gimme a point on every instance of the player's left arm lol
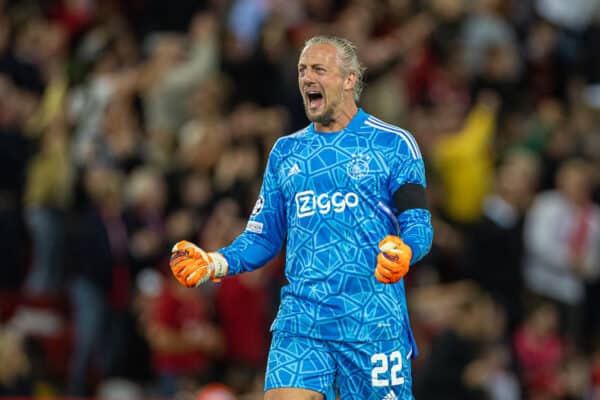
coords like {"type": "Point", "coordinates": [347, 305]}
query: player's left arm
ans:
{"type": "Point", "coordinates": [413, 242]}
{"type": "Point", "coordinates": [414, 219]}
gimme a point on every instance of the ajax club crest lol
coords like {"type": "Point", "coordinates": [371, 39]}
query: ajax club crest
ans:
{"type": "Point", "coordinates": [358, 167]}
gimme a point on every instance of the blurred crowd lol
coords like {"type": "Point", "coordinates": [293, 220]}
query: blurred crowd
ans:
{"type": "Point", "coordinates": [128, 125]}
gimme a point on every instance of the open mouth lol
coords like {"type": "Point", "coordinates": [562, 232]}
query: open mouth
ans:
{"type": "Point", "coordinates": [315, 100]}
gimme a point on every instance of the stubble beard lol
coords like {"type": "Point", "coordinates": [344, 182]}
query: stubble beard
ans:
{"type": "Point", "coordinates": [326, 118]}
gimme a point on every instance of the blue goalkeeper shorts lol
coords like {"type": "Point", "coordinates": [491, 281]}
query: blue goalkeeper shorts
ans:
{"type": "Point", "coordinates": [378, 370]}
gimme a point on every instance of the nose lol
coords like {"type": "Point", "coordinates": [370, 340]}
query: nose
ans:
{"type": "Point", "coordinates": [307, 76]}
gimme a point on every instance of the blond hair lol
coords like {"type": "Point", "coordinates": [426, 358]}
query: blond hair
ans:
{"type": "Point", "coordinates": [347, 58]}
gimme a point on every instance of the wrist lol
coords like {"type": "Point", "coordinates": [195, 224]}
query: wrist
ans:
{"type": "Point", "coordinates": [220, 265]}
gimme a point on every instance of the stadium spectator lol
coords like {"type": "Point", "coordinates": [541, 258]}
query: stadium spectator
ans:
{"type": "Point", "coordinates": [460, 360]}
{"type": "Point", "coordinates": [182, 338]}
{"type": "Point", "coordinates": [462, 157]}
{"type": "Point", "coordinates": [493, 249]}
{"type": "Point", "coordinates": [15, 151]}
{"type": "Point", "coordinates": [244, 302]}
{"type": "Point", "coordinates": [16, 370]}
{"type": "Point", "coordinates": [48, 192]}
{"type": "Point", "coordinates": [98, 245]}
{"type": "Point", "coordinates": [144, 215]}
{"type": "Point", "coordinates": [540, 352]}
{"type": "Point", "coordinates": [562, 232]}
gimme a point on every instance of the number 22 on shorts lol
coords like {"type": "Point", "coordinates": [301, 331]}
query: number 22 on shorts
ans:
{"type": "Point", "coordinates": [387, 370]}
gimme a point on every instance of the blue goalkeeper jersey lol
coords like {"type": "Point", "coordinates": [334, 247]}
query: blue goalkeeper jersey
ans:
{"type": "Point", "coordinates": [330, 197]}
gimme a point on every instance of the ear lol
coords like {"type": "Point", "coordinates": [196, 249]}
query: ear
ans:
{"type": "Point", "coordinates": [350, 81]}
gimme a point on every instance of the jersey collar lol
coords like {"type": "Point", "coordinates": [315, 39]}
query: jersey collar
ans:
{"type": "Point", "coordinates": [355, 123]}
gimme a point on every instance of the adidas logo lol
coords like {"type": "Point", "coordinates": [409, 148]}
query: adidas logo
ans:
{"type": "Point", "coordinates": [294, 170]}
{"type": "Point", "coordinates": [390, 396]}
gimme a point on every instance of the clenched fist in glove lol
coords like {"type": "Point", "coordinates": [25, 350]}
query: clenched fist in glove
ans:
{"type": "Point", "coordinates": [393, 261]}
{"type": "Point", "coordinates": [193, 266]}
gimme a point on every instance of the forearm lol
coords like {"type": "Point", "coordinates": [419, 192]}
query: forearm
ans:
{"type": "Point", "coordinates": [249, 252]}
{"type": "Point", "coordinates": [416, 231]}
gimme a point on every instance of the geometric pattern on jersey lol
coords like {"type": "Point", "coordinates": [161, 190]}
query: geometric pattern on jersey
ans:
{"type": "Point", "coordinates": [355, 370]}
{"type": "Point", "coordinates": [330, 196]}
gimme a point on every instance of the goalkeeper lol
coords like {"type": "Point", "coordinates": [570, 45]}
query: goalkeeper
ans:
{"type": "Point", "coordinates": [347, 194]}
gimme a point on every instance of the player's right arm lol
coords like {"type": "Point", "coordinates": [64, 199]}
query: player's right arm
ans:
{"type": "Point", "coordinates": [265, 231]}
{"type": "Point", "coordinates": [260, 242]}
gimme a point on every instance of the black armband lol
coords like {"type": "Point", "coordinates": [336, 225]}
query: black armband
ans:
{"type": "Point", "coordinates": [410, 195]}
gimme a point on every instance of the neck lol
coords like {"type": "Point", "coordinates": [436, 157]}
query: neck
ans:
{"type": "Point", "coordinates": [339, 121]}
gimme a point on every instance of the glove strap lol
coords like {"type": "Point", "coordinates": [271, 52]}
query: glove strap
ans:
{"type": "Point", "coordinates": [220, 265]}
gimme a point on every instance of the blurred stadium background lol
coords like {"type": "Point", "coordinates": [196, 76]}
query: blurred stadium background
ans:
{"type": "Point", "coordinates": [128, 125]}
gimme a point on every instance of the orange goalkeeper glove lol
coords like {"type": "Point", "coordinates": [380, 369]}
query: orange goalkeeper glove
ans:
{"type": "Point", "coordinates": [193, 266]}
{"type": "Point", "coordinates": [393, 261]}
